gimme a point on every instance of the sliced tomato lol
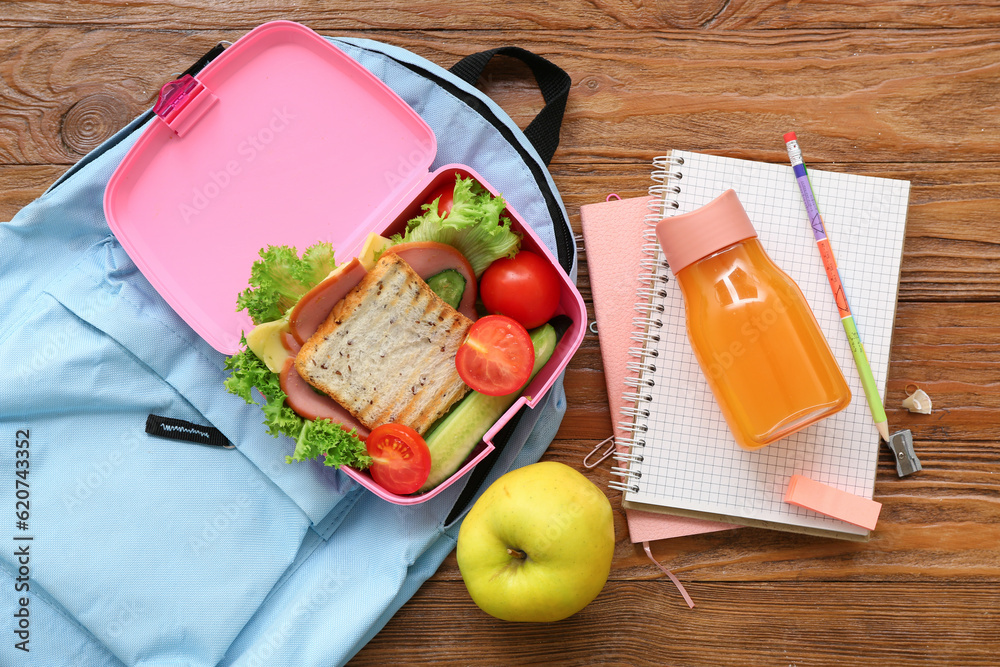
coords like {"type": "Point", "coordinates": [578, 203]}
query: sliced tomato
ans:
{"type": "Point", "coordinates": [401, 460]}
{"type": "Point", "coordinates": [497, 356]}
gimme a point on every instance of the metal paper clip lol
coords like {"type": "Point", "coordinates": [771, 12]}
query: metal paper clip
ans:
{"type": "Point", "coordinates": [604, 455]}
{"type": "Point", "coordinates": [901, 444]}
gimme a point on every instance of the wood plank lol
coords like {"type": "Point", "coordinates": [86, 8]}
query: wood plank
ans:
{"type": "Point", "coordinates": [21, 184]}
{"type": "Point", "coordinates": [65, 91]}
{"type": "Point", "coordinates": [765, 623]}
{"type": "Point", "coordinates": [952, 351]}
{"type": "Point", "coordinates": [497, 14]}
{"type": "Point", "coordinates": [878, 97]}
{"type": "Point", "coordinates": [852, 98]}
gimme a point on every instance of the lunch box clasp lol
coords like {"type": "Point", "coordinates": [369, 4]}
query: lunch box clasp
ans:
{"type": "Point", "coordinates": [182, 102]}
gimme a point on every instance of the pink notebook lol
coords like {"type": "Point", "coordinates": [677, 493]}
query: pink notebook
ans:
{"type": "Point", "coordinates": [612, 233]}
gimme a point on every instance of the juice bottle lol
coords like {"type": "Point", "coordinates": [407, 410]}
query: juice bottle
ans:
{"type": "Point", "coordinates": [752, 331]}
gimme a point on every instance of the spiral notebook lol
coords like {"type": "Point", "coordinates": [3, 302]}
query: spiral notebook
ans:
{"type": "Point", "coordinates": [612, 233]}
{"type": "Point", "coordinates": [682, 458]}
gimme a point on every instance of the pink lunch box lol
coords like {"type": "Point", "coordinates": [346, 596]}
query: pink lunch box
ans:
{"type": "Point", "coordinates": [285, 140]}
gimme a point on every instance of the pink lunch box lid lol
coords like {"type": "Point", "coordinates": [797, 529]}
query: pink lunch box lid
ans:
{"type": "Point", "coordinates": [283, 140]}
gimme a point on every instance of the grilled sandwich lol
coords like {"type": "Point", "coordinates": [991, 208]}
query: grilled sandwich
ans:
{"type": "Point", "coordinates": [386, 352]}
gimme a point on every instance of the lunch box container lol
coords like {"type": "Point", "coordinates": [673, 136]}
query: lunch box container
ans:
{"type": "Point", "coordinates": [285, 140]}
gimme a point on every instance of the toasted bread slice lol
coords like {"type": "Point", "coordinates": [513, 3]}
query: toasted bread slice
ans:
{"type": "Point", "coordinates": [387, 350]}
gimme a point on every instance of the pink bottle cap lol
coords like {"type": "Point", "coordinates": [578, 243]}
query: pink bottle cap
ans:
{"type": "Point", "coordinates": [688, 237]}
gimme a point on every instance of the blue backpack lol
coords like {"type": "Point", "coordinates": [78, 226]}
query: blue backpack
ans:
{"type": "Point", "coordinates": [139, 550]}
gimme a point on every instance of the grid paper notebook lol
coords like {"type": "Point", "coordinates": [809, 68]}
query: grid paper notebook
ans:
{"type": "Point", "coordinates": [690, 464]}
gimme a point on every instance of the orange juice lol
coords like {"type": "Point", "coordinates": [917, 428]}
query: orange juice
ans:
{"type": "Point", "coordinates": [751, 329]}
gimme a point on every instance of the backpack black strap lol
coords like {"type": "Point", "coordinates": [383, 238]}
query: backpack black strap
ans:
{"type": "Point", "coordinates": [553, 81]}
{"type": "Point", "coordinates": [209, 56]}
{"type": "Point", "coordinates": [483, 469]}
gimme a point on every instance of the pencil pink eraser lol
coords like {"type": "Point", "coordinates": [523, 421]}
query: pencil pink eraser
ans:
{"type": "Point", "coordinates": [825, 499]}
{"type": "Point", "coordinates": [789, 136]}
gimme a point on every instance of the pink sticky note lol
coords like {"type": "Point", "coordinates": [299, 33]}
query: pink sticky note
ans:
{"type": "Point", "coordinates": [825, 499]}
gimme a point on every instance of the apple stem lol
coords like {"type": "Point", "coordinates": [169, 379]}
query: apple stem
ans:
{"type": "Point", "coordinates": [517, 553]}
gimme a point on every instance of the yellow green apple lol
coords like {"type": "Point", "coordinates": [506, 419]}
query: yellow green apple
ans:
{"type": "Point", "coordinates": [537, 545]}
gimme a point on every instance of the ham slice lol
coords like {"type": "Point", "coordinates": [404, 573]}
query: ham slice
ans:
{"type": "Point", "coordinates": [313, 308]}
{"type": "Point", "coordinates": [429, 258]}
{"type": "Point", "coordinates": [310, 405]}
{"type": "Point", "coordinates": [426, 258]}
{"type": "Point", "coordinates": [289, 343]}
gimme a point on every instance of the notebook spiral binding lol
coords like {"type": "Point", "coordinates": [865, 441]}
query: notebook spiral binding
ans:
{"type": "Point", "coordinates": [655, 275]}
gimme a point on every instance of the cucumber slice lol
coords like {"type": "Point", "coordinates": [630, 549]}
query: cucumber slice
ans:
{"type": "Point", "coordinates": [449, 285]}
{"type": "Point", "coordinates": [453, 438]}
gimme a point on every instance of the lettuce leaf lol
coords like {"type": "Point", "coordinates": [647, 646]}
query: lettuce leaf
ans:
{"type": "Point", "coordinates": [280, 278]}
{"type": "Point", "coordinates": [473, 226]}
{"type": "Point", "coordinates": [313, 438]}
{"type": "Point", "coordinates": [322, 437]}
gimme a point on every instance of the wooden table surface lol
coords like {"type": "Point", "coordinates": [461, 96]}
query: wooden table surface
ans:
{"type": "Point", "coordinates": [898, 89]}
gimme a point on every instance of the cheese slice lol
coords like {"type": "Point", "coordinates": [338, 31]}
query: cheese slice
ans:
{"type": "Point", "coordinates": [265, 341]}
{"type": "Point", "coordinates": [373, 245]}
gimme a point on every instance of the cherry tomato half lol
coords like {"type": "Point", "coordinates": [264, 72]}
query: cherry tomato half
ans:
{"type": "Point", "coordinates": [401, 460]}
{"type": "Point", "coordinates": [446, 191]}
{"type": "Point", "coordinates": [497, 356]}
{"type": "Point", "coordinates": [526, 288]}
